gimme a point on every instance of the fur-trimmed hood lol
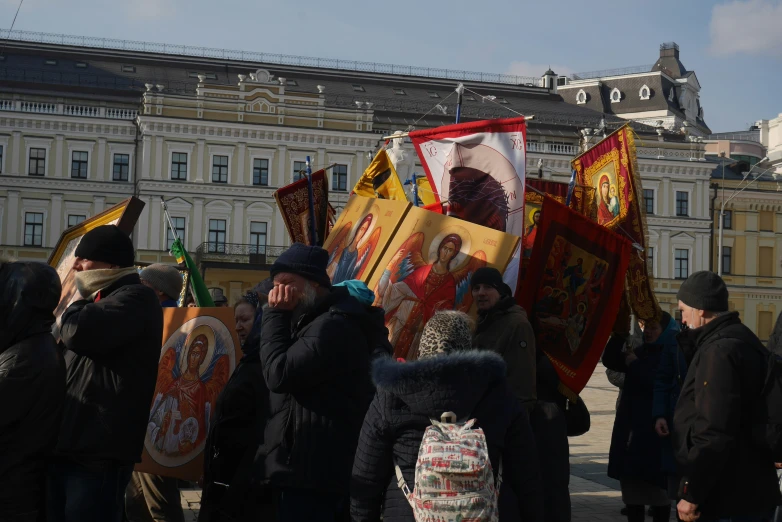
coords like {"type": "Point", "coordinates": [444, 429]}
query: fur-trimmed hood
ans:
{"type": "Point", "coordinates": [454, 382]}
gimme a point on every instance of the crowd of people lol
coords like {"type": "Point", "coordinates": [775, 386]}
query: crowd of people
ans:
{"type": "Point", "coordinates": [318, 422]}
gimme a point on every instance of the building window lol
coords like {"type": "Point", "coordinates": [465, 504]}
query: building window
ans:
{"type": "Point", "coordinates": [764, 325]}
{"type": "Point", "coordinates": [682, 203]}
{"type": "Point", "coordinates": [681, 263]}
{"type": "Point", "coordinates": [766, 221]}
{"type": "Point", "coordinates": [644, 92]}
{"type": "Point", "coordinates": [75, 219]}
{"type": "Point", "coordinates": [727, 257]}
{"type": "Point", "coordinates": [33, 229]}
{"type": "Point", "coordinates": [400, 92]}
{"type": "Point", "coordinates": [179, 230]}
{"type": "Point", "coordinates": [37, 162]}
{"type": "Point", "coordinates": [581, 97]}
{"type": "Point", "coordinates": [727, 219]}
{"type": "Point", "coordinates": [261, 172]}
{"type": "Point", "coordinates": [339, 179]}
{"type": "Point", "coordinates": [358, 88]}
{"type": "Point", "coordinates": [649, 201]}
{"type": "Point", "coordinates": [616, 96]}
{"type": "Point", "coordinates": [257, 237]}
{"type": "Point", "coordinates": [433, 94]}
{"type": "Point", "coordinates": [79, 164]}
{"type": "Point", "coordinates": [121, 167]}
{"type": "Point", "coordinates": [216, 235]}
{"type": "Point", "coordinates": [129, 68]}
{"type": "Point", "coordinates": [179, 166]}
{"type": "Point", "coordinates": [650, 260]}
{"type": "Point", "coordinates": [299, 170]}
{"type": "Point", "coordinates": [50, 62]}
{"type": "Point", "coordinates": [765, 262]}
{"type": "Point", "coordinates": [219, 169]}
{"type": "Point", "coordinates": [80, 65]}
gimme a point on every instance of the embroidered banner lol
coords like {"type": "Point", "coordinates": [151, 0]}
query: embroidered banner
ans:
{"type": "Point", "coordinates": [572, 289]}
{"type": "Point", "coordinates": [294, 204]}
{"type": "Point", "coordinates": [610, 167]}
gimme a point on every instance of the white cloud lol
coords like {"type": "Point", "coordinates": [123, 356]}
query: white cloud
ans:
{"type": "Point", "coordinates": [747, 26]}
{"type": "Point", "coordinates": [151, 9]}
{"type": "Point", "coordinates": [535, 70]}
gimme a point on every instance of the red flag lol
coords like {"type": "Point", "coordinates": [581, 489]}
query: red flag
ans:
{"type": "Point", "coordinates": [572, 290]}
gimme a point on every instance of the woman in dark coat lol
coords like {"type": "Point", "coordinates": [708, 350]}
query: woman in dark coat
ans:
{"type": "Point", "coordinates": [447, 377]}
{"type": "Point", "coordinates": [32, 387]}
{"type": "Point", "coordinates": [634, 458]}
{"type": "Point", "coordinates": [229, 493]}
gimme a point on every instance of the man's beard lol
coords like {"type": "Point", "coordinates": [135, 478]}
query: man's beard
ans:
{"type": "Point", "coordinates": [306, 302]}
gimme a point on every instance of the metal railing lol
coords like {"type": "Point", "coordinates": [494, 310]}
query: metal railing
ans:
{"type": "Point", "coordinates": [607, 72]}
{"type": "Point", "coordinates": [553, 148]}
{"type": "Point", "coordinates": [736, 136]}
{"type": "Point", "coordinates": [260, 57]}
{"type": "Point", "coordinates": [84, 111]}
{"type": "Point", "coordinates": [237, 253]}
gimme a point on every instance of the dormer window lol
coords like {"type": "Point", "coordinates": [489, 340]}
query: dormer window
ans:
{"type": "Point", "coordinates": [129, 68]}
{"type": "Point", "coordinates": [357, 88]}
{"type": "Point", "coordinates": [644, 93]}
{"type": "Point", "coordinates": [433, 94]}
{"type": "Point", "coordinates": [503, 101]}
{"type": "Point", "coordinates": [400, 92]}
{"type": "Point", "coordinates": [581, 97]}
{"type": "Point", "coordinates": [50, 62]}
{"type": "Point", "coordinates": [469, 97]}
{"type": "Point", "coordinates": [292, 83]}
{"type": "Point", "coordinates": [616, 96]}
{"type": "Point", "coordinates": [80, 65]}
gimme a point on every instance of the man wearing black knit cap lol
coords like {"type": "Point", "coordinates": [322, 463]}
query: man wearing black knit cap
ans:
{"type": "Point", "coordinates": [111, 340]}
{"type": "Point", "coordinates": [725, 476]}
{"type": "Point", "coordinates": [316, 345]}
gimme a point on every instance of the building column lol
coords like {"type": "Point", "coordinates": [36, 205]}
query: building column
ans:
{"type": "Point", "coordinates": [142, 239]}
{"type": "Point", "coordinates": [751, 255]}
{"type": "Point", "coordinates": [58, 157]}
{"type": "Point", "coordinates": [664, 257]}
{"type": "Point", "coordinates": [55, 219]}
{"type": "Point", "coordinates": [99, 205]}
{"type": "Point", "coordinates": [280, 235]}
{"type": "Point", "coordinates": [17, 155]}
{"type": "Point", "coordinates": [234, 291]}
{"type": "Point", "coordinates": [321, 160]}
{"type": "Point", "coordinates": [359, 170]}
{"type": "Point", "coordinates": [241, 175]}
{"type": "Point", "coordinates": [101, 159]}
{"type": "Point", "coordinates": [197, 226]}
{"type": "Point", "coordinates": [697, 254]}
{"type": "Point", "coordinates": [238, 220]}
{"type": "Point", "coordinates": [666, 196]}
{"type": "Point", "coordinates": [200, 162]}
{"type": "Point", "coordinates": [146, 158]}
{"type": "Point", "coordinates": [154, 232]}
{"type": "Point", "coordinates": [158, 158]}
{"type": "Point", "coordinates": [283, 161]}
{"type": "Point", "coordinates": [12, 217]}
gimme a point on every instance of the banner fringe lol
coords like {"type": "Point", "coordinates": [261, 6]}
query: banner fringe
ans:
{"type": "Point", "coordinates": [567, 393]}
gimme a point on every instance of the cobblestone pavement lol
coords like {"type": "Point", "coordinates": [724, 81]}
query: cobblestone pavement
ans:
{"type": "Point", "coordinates": [594, 496]}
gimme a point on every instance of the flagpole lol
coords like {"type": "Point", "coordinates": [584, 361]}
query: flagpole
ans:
{"type": "Point", "coordinates": [415, 189]}
{"type": "Point", "coordinates": [459, 93]}
{"type": "Point", "coordinates": [313, 228]}
{"type": "Point", "coordinates": [168, 218]}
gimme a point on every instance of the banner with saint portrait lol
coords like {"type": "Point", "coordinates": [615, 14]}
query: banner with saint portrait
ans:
{"type": "Point", "coordinates": [427, 267]}
{"type": "Point", "coordinates": [610, 167]}
{"type": "Point", "coordinates": [294, 203]}
{"type": "Point", "coordinates": [361, 235]}
{"type": "Point", "coordinates": [200, 350]}
{"type": "Point", "coordinates": [572, 289]}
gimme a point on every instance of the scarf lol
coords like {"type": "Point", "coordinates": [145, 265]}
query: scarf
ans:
{"type": "Point", "coordinates": [90, 282]}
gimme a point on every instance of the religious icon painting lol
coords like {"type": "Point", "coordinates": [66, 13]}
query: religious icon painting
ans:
{"type": "Point", "coordinates": [427, 267]}
{"type": "Point", "coordinates": [199, 352]}
{"type": "Point", "coordinates": [360, 236]}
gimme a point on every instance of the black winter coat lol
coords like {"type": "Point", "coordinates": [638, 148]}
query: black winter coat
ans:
{"type": "Point", "coordinates": [470, 384]}
{"type": "Point", "coordinates": [774, 344]}
{"type": "Point", "coordinates": [32, 384]}
{"type": "Point", "coordinates": [635, 447]}
{"type": "Point", "coordinates": [112, 352]}
{"type": "Point", "coordinates": [318, 374]}
{"type": "Point", "coordinates": [723, 471]}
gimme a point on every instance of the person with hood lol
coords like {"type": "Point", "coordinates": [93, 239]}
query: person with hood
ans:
{"type": "Point", "coordinates": [635, 455]}
{"type": "Point", "coordinates": [316, 346]}
{"type": "Point", "coordinates": [111, 340]}
{"type": "Point", "coordinates": [366, 297]}
{"type": "Point", "coordinates": [503, 328]}
{"type": "Point", "coordinates": [32, 387]}
{"type": "Point", "coordinates": [725, 475]}
{"type": "Point", "coordinates": [229, 493]}
{"type": "Point", "coordinates": [447, 376]}
{"type": "Point", "coordinates": [149, 497]}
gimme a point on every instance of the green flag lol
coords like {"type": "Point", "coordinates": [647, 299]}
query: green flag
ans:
{"type": "Point", "coordinates": [200, 292]}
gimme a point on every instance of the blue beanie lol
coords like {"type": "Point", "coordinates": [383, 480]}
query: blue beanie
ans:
{"type": "Point", "coordinates": [307, 261]}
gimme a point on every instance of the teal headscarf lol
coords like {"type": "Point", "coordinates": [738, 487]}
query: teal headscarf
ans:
{"type": "Point", "coordinates": [359, 290]}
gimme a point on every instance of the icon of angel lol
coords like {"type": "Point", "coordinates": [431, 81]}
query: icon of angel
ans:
{"type": "Point", "coordinates": [412, 290]}
{"type": "Point", "coordinates": [349, 256]}
{"type": "Point", "coordinates": [191, 375]}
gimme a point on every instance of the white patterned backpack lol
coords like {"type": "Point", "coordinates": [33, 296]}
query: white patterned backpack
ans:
{"type": "Point", "coordinates": [454, 481]}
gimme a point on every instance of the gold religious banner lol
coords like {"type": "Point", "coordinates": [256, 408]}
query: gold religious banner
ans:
{"type": "Point", "coordinates": [361, 235]}
{"type": "Point", "coordinates": [428, 266]}
{"type": "Point", "coordinates": [199, 353]}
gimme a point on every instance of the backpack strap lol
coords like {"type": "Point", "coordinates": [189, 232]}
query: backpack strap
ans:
{"type": "Point", "coordinates": [400, 481]}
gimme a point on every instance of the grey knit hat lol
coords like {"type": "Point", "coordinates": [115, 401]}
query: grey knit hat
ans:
{"type": "Point", "coordinates": [704, 290]}
{"type": "Point", "coordinates": [163, 278]}
{"type": "Point", "coordinates": [447, 331]}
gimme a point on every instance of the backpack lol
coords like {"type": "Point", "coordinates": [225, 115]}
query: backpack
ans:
{"type": "Point", "coordinates": [767, 425]}
{"type": "Point", "coordinates": [454, 480]}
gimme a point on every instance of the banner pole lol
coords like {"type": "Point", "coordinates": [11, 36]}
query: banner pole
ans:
{"type": "Point", "coordinates": [313, 228]}
{"type": "Point", "coordinates": [459, 93]}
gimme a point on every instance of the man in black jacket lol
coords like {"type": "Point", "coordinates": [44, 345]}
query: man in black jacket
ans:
{"type": "Point", "coordinates": [111, 339]}
{"type": "Point", "coordinates": [724, 475]}
{"type": "Point", "coordinates": [315, 352]}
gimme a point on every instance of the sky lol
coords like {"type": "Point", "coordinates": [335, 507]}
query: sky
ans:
{"type": "Point", "coordinates": [734, 47]}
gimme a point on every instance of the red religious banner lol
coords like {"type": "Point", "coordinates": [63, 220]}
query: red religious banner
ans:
{"type": "Point", "coordinates": [574, 282]}
{"type": "Point", "coordinates": [610, 167]}
{"type": "Point", "coordinates": [294, 204]}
